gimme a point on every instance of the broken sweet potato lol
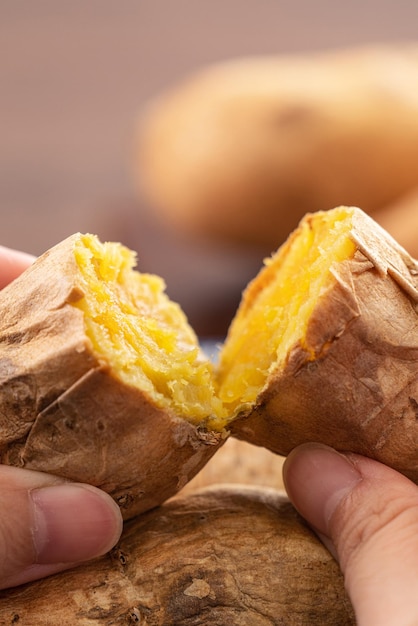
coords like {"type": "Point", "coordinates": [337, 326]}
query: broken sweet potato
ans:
{"type": "Point", "coordinates": [98, 368]}
{"type": "Point", "coordinates": [324, 346]}
{"type": "Point", "coordinates": [103, 381]}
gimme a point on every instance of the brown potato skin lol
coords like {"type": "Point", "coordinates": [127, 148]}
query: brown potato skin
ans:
{"type": "Point", "coordinates": [63, 412]}
{"type": "Point", "coordinates": [227, 555]}
{"type": "Point", "coordinates": [360, 392]}
{"type": "Point", "coordinates": [243, 149]}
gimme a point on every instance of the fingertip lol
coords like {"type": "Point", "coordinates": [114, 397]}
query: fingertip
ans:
{"type": "Point", "coordinates": [317, 478]}
{"type": "Point", "coordinates": [12, 264]}
{"type": "Point", "coordinates": [73, 523]}
{"type": "Point", "coordinates": [367, 515]}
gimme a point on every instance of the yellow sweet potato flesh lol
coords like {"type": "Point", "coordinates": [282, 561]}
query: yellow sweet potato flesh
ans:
{"type": "Point", "coordinates": [278, 304]}
{"type": "Point", "coordinates": [141, 333]}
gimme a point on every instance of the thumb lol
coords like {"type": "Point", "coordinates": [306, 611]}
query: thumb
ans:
{"type": "Point", "coordinates": [12, 263]}
{"type": "Point", "coordinates": [367, 515]}
{"type": "Point", "coordinates": [48, 525]}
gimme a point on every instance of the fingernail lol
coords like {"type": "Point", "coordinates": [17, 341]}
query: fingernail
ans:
{"type": "Point", "coordinates": [73, 523]}
{"type": "Point", "coordinates": [317, 478]}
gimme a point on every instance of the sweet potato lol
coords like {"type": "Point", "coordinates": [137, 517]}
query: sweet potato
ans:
{"type": "Point", "coordinates": [98, 368]}
{"type": "Point", "coordinates": [324, 346]}
{"type": "Point", "coordinates": [231, 555]}
{"type": "Point", "coordinates": [243, 149]}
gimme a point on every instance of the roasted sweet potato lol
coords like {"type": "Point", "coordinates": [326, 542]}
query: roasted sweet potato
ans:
{"type": "Point", "coordinates": [244, 148]}
{"type": "Point", "coordinates": [230, 555]}
{"type": "Point", "coordinates": [324, 346]}
{"type": "Point", "coordinates": [98, 369]}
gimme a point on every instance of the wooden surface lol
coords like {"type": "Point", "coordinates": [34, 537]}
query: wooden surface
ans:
{"type": "Point", "coordinates": [73, 76]}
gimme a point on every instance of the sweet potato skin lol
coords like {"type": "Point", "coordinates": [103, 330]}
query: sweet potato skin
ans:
{"type": "Point", "coordinates": [243, 149]}
{"type": "Point", "coordinates": [62, 410]}
{"type": "Point", "coordinates": [232, 555]}
{"type": "Point", "coordinates": [360, 391]}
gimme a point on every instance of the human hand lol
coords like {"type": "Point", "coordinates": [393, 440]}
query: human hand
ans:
{"type": "Point", "coordinates": [48, 524]}
{"type": "Point", "coordinates": [12, 263]}
{"type": "Point", "coordinates": [367, 515]}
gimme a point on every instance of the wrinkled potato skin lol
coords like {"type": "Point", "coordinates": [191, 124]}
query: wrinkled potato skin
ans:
{"type": "Point", "coordinates": [230, 555]}
{"type": "Point", "coordinates": [243, 149]}
{"type": "Point", "coordinates": [63, 412]}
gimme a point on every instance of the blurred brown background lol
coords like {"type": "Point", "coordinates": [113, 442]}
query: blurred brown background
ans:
{"type": "Point", "coordinates": [73, 75]}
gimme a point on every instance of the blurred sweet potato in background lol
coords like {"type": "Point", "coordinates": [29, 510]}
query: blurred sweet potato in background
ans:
{"type": "Point", "coordinates": [241, 150]}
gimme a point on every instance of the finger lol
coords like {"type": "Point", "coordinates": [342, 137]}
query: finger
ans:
{"type": "Point", "coordinates": [48, 525]}
{"type": "Point", "coordinates": [12, 264]}
{"type": "Point", "coordinates": [367, 514]}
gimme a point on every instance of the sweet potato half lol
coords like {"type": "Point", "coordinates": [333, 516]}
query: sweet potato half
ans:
{"type": "Point", "coordinates": [98, 369]}
{"type": "Point", "coordinates": [102, 380]}
{"type": "Point", "coordinates": [324, 346]}
{"type": "Point", "coordinates": [232, 555]}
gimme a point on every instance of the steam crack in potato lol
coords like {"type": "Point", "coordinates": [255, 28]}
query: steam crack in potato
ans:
{"type": "Point", "coordinates": [103, 380]}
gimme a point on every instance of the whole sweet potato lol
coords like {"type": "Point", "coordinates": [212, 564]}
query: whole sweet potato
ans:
{"type": "Point", "coordinates": [232, 555]}
{"type": "Point", "coordinates": [244, 148]}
